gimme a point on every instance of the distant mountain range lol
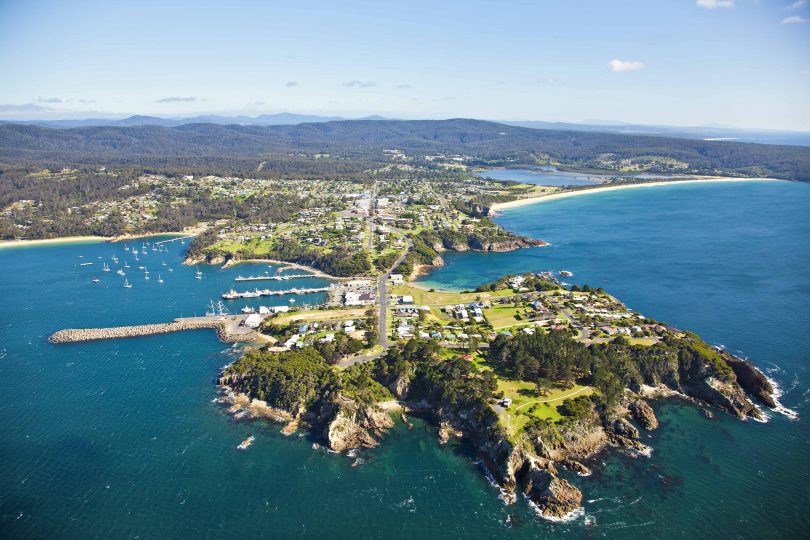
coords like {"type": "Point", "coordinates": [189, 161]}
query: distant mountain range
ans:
{"type": "Point", "coordinates": [718, 133]}
{"type": "Point", "coordinates": [599, 126]}
{"type": "Point", "coordinates": [721, 133]}
{"type": "Point", "coordinates": [279, 119]}
{"type": "Point", "coordinates": [207, 144]}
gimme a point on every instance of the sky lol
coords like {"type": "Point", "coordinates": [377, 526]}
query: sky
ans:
{"type": "Point", "coordinates": [742, 63]}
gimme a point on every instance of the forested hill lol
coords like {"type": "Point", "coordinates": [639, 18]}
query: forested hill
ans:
{"type": "Point", "coordinates": [201, 144]}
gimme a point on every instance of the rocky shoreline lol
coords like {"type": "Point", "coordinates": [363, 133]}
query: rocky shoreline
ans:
{"type": "Point", "coordinates": [528, 465]}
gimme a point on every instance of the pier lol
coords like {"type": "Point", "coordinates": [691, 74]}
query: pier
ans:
{"type": "Point", "coordinates": [228, 329]}
{"type": "Point", "coordinates": [274, 278]}
{"type": "Point", "coordinates": [233, 295]}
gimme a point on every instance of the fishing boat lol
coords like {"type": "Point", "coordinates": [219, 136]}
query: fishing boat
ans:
{"type": "Point", "coordinates": [247, 442]}
{"type": "Point", "coordinates": [127, 284]}
{"type": "Point", "coordinates": [160, 279]}
{"type": "Point", "coordinates": [105, 268]}
{"type": "Point", "coordinates": [95, 279]}
{"type": "Point", "coordinates": [248, 310]}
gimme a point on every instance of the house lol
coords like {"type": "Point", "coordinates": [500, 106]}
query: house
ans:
{"type": "Point", "coordinates": [303, 328]}
{"type": "Point", "coordinates": [397, 279]}
{"type": "Point", "coordinates": [406, 299]}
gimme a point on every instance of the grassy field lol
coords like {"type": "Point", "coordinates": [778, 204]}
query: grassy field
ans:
{"type": "Point", "coordinates": [528, 403]}
{"type": "Point", "coordinates": [321, 315]}
{"type": "Point", "coordinates": [502, 316]}
{"type": "Point", "coordinates": [422, 297]}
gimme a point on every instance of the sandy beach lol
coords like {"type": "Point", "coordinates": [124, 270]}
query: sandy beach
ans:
{"type": "Point", "coordinates": [191, 231]}
{"type": "Point", "coordinates": [532, 200]}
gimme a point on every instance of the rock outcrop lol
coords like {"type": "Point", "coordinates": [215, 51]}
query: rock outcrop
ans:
{"type": "Point", "coordinates": [643, 414]}
{"type": "Point", "coordinates": [554, 497]}
{"type": "Point", "coordinates": [355, 426]}
{"type": "Point", "coordinates": [501, 244]}
{"type": "Point", "coordinates": [751, 380]}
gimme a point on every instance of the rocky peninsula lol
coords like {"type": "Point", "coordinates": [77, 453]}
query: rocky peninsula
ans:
{"type": "Point", "coordinates": [352, 408]}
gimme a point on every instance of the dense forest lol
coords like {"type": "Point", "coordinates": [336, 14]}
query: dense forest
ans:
{"type": "Point", "coordinates": [242, 147]}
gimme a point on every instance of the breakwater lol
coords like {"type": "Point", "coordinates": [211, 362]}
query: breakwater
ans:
{"type": "Point", "coordinates": [228, 330]}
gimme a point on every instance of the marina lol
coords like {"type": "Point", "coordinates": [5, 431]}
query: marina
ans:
{"type": "Point", "coordinates": [234, 295]}
{"type": "Point", "coordinates": [273, 278]}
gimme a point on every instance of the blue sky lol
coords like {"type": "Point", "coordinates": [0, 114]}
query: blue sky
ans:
{"type": "Point", "coordinates": [742, 63]}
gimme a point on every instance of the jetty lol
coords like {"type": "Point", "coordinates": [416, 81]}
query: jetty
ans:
{"type": "Point", "coordinates": [273, 278]}
{"type": "Point", "coordinates": [229, 329]}
{"type": "Point", "coordinates": [233, 295]}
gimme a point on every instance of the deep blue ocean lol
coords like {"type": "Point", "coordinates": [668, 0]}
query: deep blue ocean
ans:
{"type": "Point", "coordinates": [121, 439]}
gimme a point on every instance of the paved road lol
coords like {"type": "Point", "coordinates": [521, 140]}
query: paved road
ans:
{"type": "Point", "coordinates": [382, 302]}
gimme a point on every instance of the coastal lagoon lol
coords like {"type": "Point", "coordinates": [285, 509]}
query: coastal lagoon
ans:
{"type": "Point", "coordinates": [122, 438]}
{"type": "Point", "coordinates": [545, 175]}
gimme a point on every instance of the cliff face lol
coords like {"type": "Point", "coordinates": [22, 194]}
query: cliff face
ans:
{"type": "Point", "coordinates": [350, 425]}
{"type": "Point", "coordinates": [751, 380]}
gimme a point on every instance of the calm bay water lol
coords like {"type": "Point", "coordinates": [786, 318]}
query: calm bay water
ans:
{"type": "Point", "coordinates": [121, 439]}
{"type": "Point", "coordinates": [545, 175]}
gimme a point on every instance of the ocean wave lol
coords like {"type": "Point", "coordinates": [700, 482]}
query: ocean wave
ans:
{"type": "Point", "coordinates": [567, 518]}
{"type": "Point", "coordinates": [781, 409]}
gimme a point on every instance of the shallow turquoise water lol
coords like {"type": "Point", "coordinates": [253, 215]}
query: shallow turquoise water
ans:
{"type": "Point", "coordinates": [121, 438]}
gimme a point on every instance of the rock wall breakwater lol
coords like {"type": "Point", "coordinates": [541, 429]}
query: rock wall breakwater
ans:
{"type": "Point", "coordinates": [91, 334]}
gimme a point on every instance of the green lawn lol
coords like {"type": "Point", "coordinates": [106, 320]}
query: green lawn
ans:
{"type": "Point", "coordinates": [502, 316]}
{"type": "Point", "coordinates": [422, 297]}
{"type": "Point", "coordinates": [528, 403]}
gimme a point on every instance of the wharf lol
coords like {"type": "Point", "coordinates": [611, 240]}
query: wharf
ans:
{"type": "Point", "coordinates": [233, 295]}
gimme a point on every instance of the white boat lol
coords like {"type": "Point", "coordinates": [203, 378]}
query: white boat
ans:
{"type": "Point", "coordinates": [120, 272]}
{"type": "Point", "coordinates": [160, 279]}
{"type": "Point", "coordinates": [86, 264]}
{"type": "Point", "coordinates": [248, 310]}
{"type": "Point", "coordinates": [141, 268]}
{"type": "Point", "coordinates": [171, 270]}
{"type": "Point", "coordinates": [146, 275]}
{"type": "Point", "coordinates": [95, 279]}
{"type": "Point", "coordinates": [114, 259]}
{"type": "Point", "coordinates": [127, 284]}
{"type": "Point", "coordinates": [198, 275]}
{"type": "Point", "coordinates": [126, 247]}
{"type": "Point", "coordinates": [105, 268]}
{"type": "Point", "coordinates": [163, 263]}
{"type": "Point", "coordinates": [126, 265]}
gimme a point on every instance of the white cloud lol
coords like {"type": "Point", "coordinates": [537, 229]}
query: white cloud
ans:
{"type": "Point", "coordinates": [290, 84]}
{"type": "Point", "coordinates": [359, 84]}
{"type": "Point", "coordinates": [799, 4]}
{"type": "Point", "coordinates": [48, 100]}
{"type": "Point", "coordinates": [620, 66]}
{"type": "Point", "coordinates": [714, 4]}
{"type": "Point", "coordinates": [795, 19]}
{"type": "Point", "coordinates": [178, 99]}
